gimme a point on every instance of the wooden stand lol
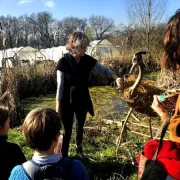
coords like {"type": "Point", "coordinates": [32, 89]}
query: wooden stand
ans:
{"type": "Point", "coordinates": [123, 133]}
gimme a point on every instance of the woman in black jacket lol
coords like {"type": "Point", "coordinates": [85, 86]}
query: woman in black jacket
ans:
{"type": "Point", "coordinates": [10, 153]}
{"type": "Point", "coordinates": [72, 92]}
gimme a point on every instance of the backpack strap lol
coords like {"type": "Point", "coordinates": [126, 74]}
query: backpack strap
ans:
{"type": "Point", "coordinates": [30, 169]}
{"type": "Point", "coordinates": [59, 169]}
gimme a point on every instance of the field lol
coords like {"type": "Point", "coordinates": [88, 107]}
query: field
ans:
{"type": "Point", "coordinates": [100, 138]}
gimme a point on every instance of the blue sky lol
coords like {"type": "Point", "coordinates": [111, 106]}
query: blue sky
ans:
{"type": "Point", "coordinates": [114, 9]}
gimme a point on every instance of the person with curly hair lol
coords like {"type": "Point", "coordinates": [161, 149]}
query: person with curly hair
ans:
{"type": "Point", "coordinates": [73, 97]}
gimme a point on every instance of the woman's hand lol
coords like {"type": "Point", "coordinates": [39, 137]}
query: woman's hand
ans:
{"type": "Point", "coordinates": [58, 107]}
{"type": "Point", "coordinates": [158, 107]}
{"type": "Point", "coordinates": [119, 82]}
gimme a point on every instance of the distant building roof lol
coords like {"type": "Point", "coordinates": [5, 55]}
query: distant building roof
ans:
{"type": "Point", "coordinates": [21, 53]}
{"type": "Point", "coordinates": [94, 43]}
{"type": "Point", "coordinates": [103, 43]}
{"type": "Point", "coordinates": [54, 53]}
{"type": "Point", "coordinates": [101, 48]}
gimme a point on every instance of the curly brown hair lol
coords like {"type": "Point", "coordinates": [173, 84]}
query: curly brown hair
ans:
{"type": "Point", "coordinates": [171, 58]}
{"type": "Point", "coordinates": [77, 39]}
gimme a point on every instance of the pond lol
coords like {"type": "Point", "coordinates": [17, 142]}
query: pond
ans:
{"type": "Point", "coordinates": [106, 100]}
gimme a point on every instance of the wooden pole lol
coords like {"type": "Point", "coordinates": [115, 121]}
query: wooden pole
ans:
{"type": "Point", "coordinates": [150, 128]}
{"type": "Point", "coordinates": [142, 125]}
{"type": "Point", "coordinates": [135, 117]}
{"type": "Point", "coordinates": [145, 135]}
{"type": "Point", "coordinates": [124, 129]}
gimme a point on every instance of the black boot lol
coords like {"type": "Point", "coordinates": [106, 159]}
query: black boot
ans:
{"type": "Point", "coordinates": [79, 151]}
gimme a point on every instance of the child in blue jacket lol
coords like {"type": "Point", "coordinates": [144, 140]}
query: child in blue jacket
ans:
{"type": "Point", "coordinates": [41, 130]}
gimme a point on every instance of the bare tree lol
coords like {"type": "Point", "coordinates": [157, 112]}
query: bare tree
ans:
{"type": "Point", "coordinates": [33, 38]}
{"type": "Point", "coordinates": [11, 28]}
{"type": "Point", "coordinates": [128, 32]}
{"type": "Point", "coordinates": [59, 35]}
{"type": "Point", "coordinates": [70, 24]}
{"type": "Point", "coordinates": [42, 29]}
{"type": "Point", "coordinates": [23, 32]}
{"type": "Point", "coordinates": [146, 15]}
{"type": "Point", "coordinates": [89, 33]}
{"type": "Point", "coordinates": [44, 24]}
{"type": "Point", "coordinates": [100, 25]}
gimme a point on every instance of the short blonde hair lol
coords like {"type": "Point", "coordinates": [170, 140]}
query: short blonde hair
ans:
{"type": "Point", "coordinates": [40, 128]}
{"type": "Point", "coordinates": [77, 39]}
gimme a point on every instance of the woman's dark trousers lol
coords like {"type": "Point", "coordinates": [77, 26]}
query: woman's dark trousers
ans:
{"type": "Point", "coordinates": [67, 120]}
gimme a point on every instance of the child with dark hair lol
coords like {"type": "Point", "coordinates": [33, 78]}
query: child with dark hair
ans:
{"type": "Point", "coordinates": [10, 153]}
{"type": "Point", "coordinates": [41, 129]}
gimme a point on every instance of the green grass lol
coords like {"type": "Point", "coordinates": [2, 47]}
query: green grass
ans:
{"type": "Point", "coordinates": [41, 101]}
{"type": "Point", "coordinates": [17, 137]}
{"type": "Point", "coordinates": [152, 76]}
{"type": "Point", "coordinates": [99, 143]}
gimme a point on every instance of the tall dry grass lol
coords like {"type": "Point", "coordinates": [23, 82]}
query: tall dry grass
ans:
{"type": "Point", "coordinates": [22, 81]}
{"type": "Point", "coordinates": [36, 79]}
{"type": "Point", "coordinates": [122, 61]}
{"type": "Point", "coordinates": [9, 96]}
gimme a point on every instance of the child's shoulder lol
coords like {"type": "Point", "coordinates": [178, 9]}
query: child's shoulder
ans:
{"type": "Point", "coordinates": [18, 173]}
{"type": "Point", "coordinates": [17, 168]}
{"type": "Point", "coordinates": [79, 169]}
{"type": "Point", "coordinates": [77, 163]}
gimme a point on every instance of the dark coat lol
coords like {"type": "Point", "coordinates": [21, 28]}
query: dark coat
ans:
{"type": "Point", "coordinates": [76, 75]}
{"type": "Point", "coordinates": [10, 156]}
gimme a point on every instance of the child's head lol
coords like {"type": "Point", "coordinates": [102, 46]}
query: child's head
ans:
{"type": "Point", "coordinates": [171, 59]}
{"type": "Point", "coordinates": [4, 121]}
{"type": "Point", "coordinates": [41, 127]}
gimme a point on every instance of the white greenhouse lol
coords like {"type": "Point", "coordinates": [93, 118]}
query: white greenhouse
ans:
{"type": "Point", "coordinates": [11, 57]}
{"type": "Point", "coordinates": [102, 48]}
{"type": "Point", "coordinates": [54, 53]}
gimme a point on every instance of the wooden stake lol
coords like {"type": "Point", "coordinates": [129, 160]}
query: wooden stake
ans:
{"type": "Point", "coordinates": [145, 135]}
{"type": "Point", "coordinates": [124, 128]}
{"type": "Point", "coordinates": [135, 117]}
{"type": "Point", "coordinates": [150, 128]}
{"type": "Point", "coordinates": [142, 125]}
